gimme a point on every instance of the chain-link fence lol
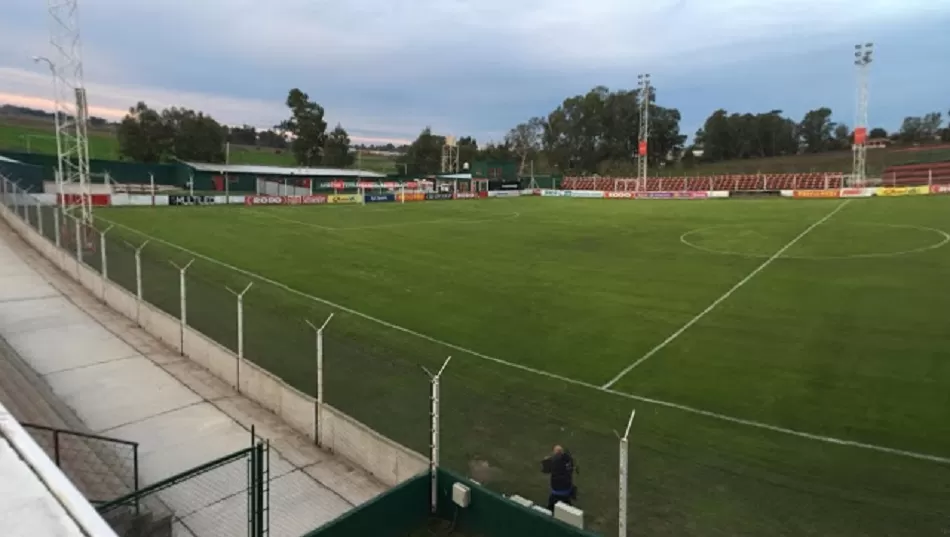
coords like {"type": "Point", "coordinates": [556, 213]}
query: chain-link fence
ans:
{"type": "Point", "coordinates": [225, 497]}
{"type": "Point", "coordinates": [102, 468]}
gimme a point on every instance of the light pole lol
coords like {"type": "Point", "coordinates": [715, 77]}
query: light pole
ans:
{"type": "Point", "coordinates": [862, 59]}
{"type": "Point", "coordinates": [643, 81]}
{"type": "Point", "coordinates": [59, 143]}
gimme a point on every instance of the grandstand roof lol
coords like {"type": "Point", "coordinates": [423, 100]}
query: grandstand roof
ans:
{"type": "Point", "coordinates": [281, 170]}
{"type": "Point", "coordinates": [9, 160]}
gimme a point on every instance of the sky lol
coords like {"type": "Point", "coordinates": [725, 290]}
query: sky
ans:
{"type": "Point", "coordinates": [387, 69]}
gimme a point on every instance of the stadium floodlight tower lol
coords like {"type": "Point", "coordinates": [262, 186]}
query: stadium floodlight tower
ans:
{"type": "Point", "coordinates": [643, 82]}
{"type": "Point", "coordinates": [450, 155]}
{"type": "Point", "coordinates": [862, 60]}
{"type": "Point", "coordinates": [70, 105]}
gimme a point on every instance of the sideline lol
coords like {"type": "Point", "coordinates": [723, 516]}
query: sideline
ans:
{"type": "Point", "coordinates": [554, 376]}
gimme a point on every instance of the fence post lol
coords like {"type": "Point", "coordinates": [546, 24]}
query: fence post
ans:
{"type": "Point", "coordinates": [135, 474]}
{"type": "Point", "coordinates": [138, 281]}
{"type": "Point", "coordinates": [318, 405]}
{"type": "Point", "coordinates": [624, 476]}
{"type": "Point", "coordinates": [183, 301]}
{"type": "Point", "coordinates": [240, 333]}
{"type": "Point", "coordinates": [930, 177]}
{"type": "Point", "coordinates": [56, 227]}
{"type": "Point", "coordinates": [78, 242]}
{"type": "Point", "coordinates": [434, 428]}
{"type": "Point", "coordinates": [39, 218]}
{"type": "Point", "coordinates": [104, 259]}
{"type": "Point", "coordinates": [56, 447]}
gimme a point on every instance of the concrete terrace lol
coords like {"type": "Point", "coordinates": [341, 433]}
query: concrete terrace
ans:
{"type": "Point", "coordinates": [120, 382]}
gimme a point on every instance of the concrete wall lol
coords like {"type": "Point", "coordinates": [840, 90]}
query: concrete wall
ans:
{"type": "Point", "coordinates": [387, 460]}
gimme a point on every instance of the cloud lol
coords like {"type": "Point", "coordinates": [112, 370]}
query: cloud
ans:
{"type": "Point", "coordinates": [387, 69]}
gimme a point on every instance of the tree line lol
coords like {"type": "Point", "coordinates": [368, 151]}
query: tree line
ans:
{"type": "Point", "coordinates": [594, 132]}
{"type": "Point", "coordinates": [149, 135]}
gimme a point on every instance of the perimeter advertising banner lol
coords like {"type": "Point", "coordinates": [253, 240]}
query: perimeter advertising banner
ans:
{"type": "Point", "coordinates": [503, 193]}
{"type": "Point", "coordinates": [316, 199]}
{"type": "Point", "coordinates": [940, 189]}
{"type": "Point", "coordinates": [380, 198]}
{"type": "Point", "coordinates": [465, 195]}
{"type": "Point", "coordinates": [344, 198]}
{"type": "Point", "coordinates": [191, 200]}
{"type": "Point", "coordinates": [857, 192]}
{"type": "Point", "coordinates": [673, 195]}
{"type": "Point", "coordinates": [816, 194]}
{"type": "Point", "coordinates": [411, 196]}
{"type": "Point", "coordinates": [889, 191]}
{"type": "Point", "coordinates": [96, 200]}
{"type": "Point", "coordinates": [620, 195]}
{"type": "Point", "coordinates": [439, 196]}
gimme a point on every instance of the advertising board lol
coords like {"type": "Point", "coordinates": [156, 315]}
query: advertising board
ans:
{"type": "Point", "coordinates": [549, 193]}
{"type": "Point", "coordinates": [96, 200]}
{"type": "Point", "coordinates": [191, 200]}
{"type": "Point", "coordinates": [856, 192]}
{"type": "Point", "coordinates": [681, 195]}
{"type": "Point", "coordinates": [503, 193]}
{"type": "Point", "coordinates": [940, 189]}
{"type": "Point", "coordinates": [582, 193]}
{"type": "Point", "coordinates": [380, 198]}
{"type": "Point", "coordinates": [620, 195]}
{"type": "Point", "coordinates": [754, 193]}
{"type": "Point", "coordinates": [411, 196]}
{"type": "Point", "coordinates": [316, 199]}
{"type": "Point", "coordinates": [889, 191]}
{"type": "Point", "coordinates": [816, 194]}
{"type": "Point", "coordinates": [264, 200]}
{"type": "Point", "coordinates": [344, 198]}
{"type": "Point", "coordinates": [438, 195]}
{"type": "Point", "coordinates": [465, 195]}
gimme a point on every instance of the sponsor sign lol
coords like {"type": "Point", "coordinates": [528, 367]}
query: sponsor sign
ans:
{"type": "Point", "coordinates": [380, 198]}
{"type": "Point", "coordinates": [465, 195]}
{"type": "Point", "coordinates": [96, 200]}
{"type": "Point", "coordinates": [681, 195]}
{"type": "Point", "coordinates": [583, 193]}
{"type": "Point", "coordinates": [856, 192]}
{"type": "Point", "coordinates": [411, 196]}
{"type": "Point", "coordinates": [344, 198]}
{"type": "Point", "coordinates": [503, 193]}
{"type": "Point", "coordinates": [264, 200]}
{"type": "Point", "coordinates": [316, 199]}
{"type": "Point", "coordinates": [816, 194]}
{"type": "Point", "coordinates": [920, 190]}
{"type": "Point", "coordinates": [620, 195]}
{"type": "Point", "coordinates": [191, 200]}
{"type": "Point", "coordinates": [895, 191]}
{"type": "Point", "coordinates": [940, 189]}
{"type": "Point", "coordinates": [549, 193]}
{"type": "Point", "coordinates": [717, 194]}
{"type": "Point", "coordinates": [439, 196]}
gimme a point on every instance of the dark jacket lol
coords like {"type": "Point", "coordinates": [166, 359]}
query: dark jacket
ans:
{"type": "Point", "coordinates": [562, 474]}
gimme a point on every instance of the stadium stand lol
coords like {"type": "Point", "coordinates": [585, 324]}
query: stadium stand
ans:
{"type": "Point", "coordinates": [937, 173]}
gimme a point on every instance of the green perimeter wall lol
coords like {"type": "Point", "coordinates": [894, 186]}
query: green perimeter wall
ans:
{"type": "Point", "coordinates": [405, 508]}
{"type": "Point", "coordinates": [119, 171]}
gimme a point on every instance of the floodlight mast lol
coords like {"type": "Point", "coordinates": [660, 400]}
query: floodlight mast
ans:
{"type": "Point", "coordinates": [862, 60]}
{"type": "Point", "coordinates": [643, 83]}
{"type": "Point", "coordinates": [70, 104]}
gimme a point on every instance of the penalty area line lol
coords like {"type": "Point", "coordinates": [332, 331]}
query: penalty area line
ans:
{"type": "Point", "coordinates": [724, 297]}
{"type": "Point", "coordinates": [553, 376]}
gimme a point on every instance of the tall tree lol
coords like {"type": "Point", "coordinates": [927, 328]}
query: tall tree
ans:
{"type": "Point", "coordinates": [143, 136]}
{"type": "Point", "coordinates": [336, 150]}
{"type": "Point", "coordinates": [196, 137]}
{"type": "Point", "coordinates": [817, 130]}
{"type": "Point", "coordinates": [468, 150]}
{"type": "Point", "coordinates": [877, 132]}
{"type": "Point", "coordinates": [307, 128]}
{"type": "Point", "coordinates": [842, 136]}
{"type": "Point", "coordinates": [525, 140]}
{"type": "Point", "coordinates": [911, 129]}
{"type": "Point", "coordinates": [424, 155]}
{"type": "Point", "coordinates": [930, 126]}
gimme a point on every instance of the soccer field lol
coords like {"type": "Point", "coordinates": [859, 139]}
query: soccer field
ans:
{"type": "Point", "coordinates": [789, 361]}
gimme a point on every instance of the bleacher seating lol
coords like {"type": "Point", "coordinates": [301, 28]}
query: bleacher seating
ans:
{"type": "Point", "coordinates": [937, 173]}
{"type": "Point", "coordinates": [749, 182]}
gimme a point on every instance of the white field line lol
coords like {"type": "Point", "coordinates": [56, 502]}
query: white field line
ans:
{"type": "Point", "coordinates": [554, 376]}
{"type": "Point", "coordinates": [724, 297]}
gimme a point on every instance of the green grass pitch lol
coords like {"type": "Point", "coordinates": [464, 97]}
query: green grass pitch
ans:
{"type": "Point", "coordinates": [542, 302]}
